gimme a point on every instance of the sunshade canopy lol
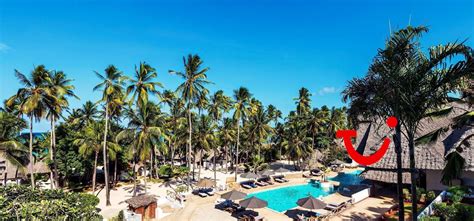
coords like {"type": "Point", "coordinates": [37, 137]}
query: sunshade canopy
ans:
{"type": "Point", "coordinates": [233, 195]}
{"type": "Point", "coordinates": [253, 203]}
{"type": "Point", "coordinates": [311, 203]}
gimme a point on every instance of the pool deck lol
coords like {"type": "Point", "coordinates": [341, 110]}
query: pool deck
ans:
{"type": "Point", "coordinates": [198, 208]}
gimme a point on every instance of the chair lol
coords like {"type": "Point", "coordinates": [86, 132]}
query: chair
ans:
{"type": "Point", "coordinates": [246, 186]}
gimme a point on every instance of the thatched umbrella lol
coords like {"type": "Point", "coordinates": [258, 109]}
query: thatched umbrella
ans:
{"type": "Point", "coordinates": [253, 203]}
{"type": "Point", "coordinates": [233, 195]}
{"type": "Point", "coordinates": [249, 175]}
{"type": "Point", "coordinates": [282, 170]}
{"type": "Point", "coordinates": [267, 173]}
{"type": "Point", "coordinates": [205, 183]}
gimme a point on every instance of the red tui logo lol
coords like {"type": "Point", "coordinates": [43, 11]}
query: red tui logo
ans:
{"type": "Point", "coordinates": [346, 135]}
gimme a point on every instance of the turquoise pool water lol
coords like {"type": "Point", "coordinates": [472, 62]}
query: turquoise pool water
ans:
{"type": "Point", "coordinates": [351, 178]}
{"type": "Point", "coordinates": [284, 198]}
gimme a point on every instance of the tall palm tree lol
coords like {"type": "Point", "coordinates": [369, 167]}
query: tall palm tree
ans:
{"type": "Point", "coordinates": [193, 88]}
{"type": "Point", "coordinates": [316, 123]}
{"type": "Point", "coordinates": [296, 140]}
{"type": "Point", "coordinates": [227, 137]}
{"type": "Point", "coordinates": [144, 133]}
{"type": "Point", "coordinates": [90, 142]}
{"type": "Point", "coordinates": [205, 137]}
{"type": "Point", "coordinates": [112, 94]}
{"type": "Point", "coordinates": [32, 100]}
{"type": "Point", "coordinates": [415, 82]}
{"type": "Point", "coordinates": [241, 98]}
{"type": "Point", "coordinates": [259, 126]}
{"type": "Point", "coordinates": [219, 104]}
{"type": "Point", "coordinates": [61, 88]}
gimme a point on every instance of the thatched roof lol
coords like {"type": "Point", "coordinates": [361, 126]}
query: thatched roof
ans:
{"type": "Point", "coordinates": [385, 176]}
{"type": "Point", "coordinates": [39, 167]}
{"type": "Point", "coordinates": [428, 156]}
{"type": "Point", "coordinates": [141, 201]}
{"type": "Point", "coordinates": [11, 171]}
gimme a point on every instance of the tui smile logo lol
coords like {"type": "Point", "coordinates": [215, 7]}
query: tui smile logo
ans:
{"type": "Point", "coordinates": [346, 135]}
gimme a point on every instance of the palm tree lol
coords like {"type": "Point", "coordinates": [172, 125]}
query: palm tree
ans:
{"type": "Point", "coordinates": [61, 88]}
{"type": "Point", "coordinates": [219, 104]}
{"type": "Point", "coordinates": [32, 100]}
{"type": "Point", "coordinates": [241, 98]}
{"type": "Point", "coordinates": [142, 85]}
{"type": "Point", "coordinates": [90, 142]}
{"type": "Point", "coordinates": [316, 123]}
{"type": "Point", "coordinates": [205, 137]}
{"type": "Point", "coordinates": [296, 140]}
{"type": "Point", "coordinates": [193, 88]}
{"type": "Point", "coordinates": [10, 148]}
{"type": "Point", "coordinates": [259, 125]}
{"type": "Point", "coordinates": [226, 137]}
{"type": "Point", "coordinates": [144, 133]}
{"type": "Point", "coordinates": [88, 113]}
{"type": "Point", "coordinates": [303, 102]}
{"type": "Point", "coordinates": [112, 94]}
{"type": "Point", "coordinates": [415, 83]}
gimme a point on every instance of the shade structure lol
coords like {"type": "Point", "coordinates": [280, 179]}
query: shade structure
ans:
{"type": "Point", "coordinates": [205, 183]}
{"type": "Point", "coordinates": [253, 203]}
{"type": "Point", "coordinates": [233, 195]}
{"type": "Point", "coordinates": [311, 203]}
{"type": "Point", "coordinates": [267, 173]}
{"type": "Point", "coordinates": [249, 175]}
{"type": "Point", "coordinates": [281, 170]}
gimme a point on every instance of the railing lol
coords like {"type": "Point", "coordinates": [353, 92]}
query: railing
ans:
{"type": "Point", "coordinates": [429, 210]}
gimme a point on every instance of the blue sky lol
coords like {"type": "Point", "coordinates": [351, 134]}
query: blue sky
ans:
{"type": "Point", "coordinates": [271, 47]}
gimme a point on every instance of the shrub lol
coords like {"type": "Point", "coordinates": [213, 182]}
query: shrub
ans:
{"type": "Point", "coordinates": [430, 218]}
{"type": "Point", "coordinates": [456, 193]}
{"type": "Point", "coordinates": [430, 196]}
{"type": "Point", "coordinates": [23, 203]}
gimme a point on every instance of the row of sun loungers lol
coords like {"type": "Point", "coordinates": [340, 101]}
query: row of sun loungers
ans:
{"type": "Point", "coordinates": [263, 182]}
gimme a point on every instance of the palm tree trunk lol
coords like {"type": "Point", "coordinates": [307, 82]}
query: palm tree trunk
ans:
{"type": "Point", "coordinates": [94, 173]}
{"type": "Point", "coordinates": [226, 157]}
{"type": "Point", "coordinates": [5, 179]}
{"type": "Point", "coordinates": [189, 146]}
{"type": "Point", "coordinates": [51, 153]}
{"type": "Point", "coordinates": [200, 164]}
{"type": "Point", "coordinates": [414, 200]}
{"type": "Point", "coordinates": [214, 167]}
{"type": "Point", "coordinates": [104, 152]}
{"type": "Point", "coordinates": [237, 149]}
{"type": "Point", "coordinates": [115, 171]}
{"type": "Point", "coordinates": [134, 171]}
{"type": "Point", "coordinates": [53, 156]}
{"type": "Point", "coordinates": [398, 151]}
{"type": "Point", "coordinates": [32, 161]}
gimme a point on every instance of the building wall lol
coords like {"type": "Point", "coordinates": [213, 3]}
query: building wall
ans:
{"type": "Point", "coordinates": [433, 179]}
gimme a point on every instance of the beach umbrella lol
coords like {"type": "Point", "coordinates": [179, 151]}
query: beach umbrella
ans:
{"type": "Point", "coordinates": [267, 173]}
{"type": "Point", "coordinates": [311, 203]}
{"type": "Point", "coordinates": [281, 170]}
{"type": "Point", "coordinates": [233, 195]}
{"type": "Point", "coordinates": [205, 183]}
{"type": "Point", "coordinates": [253, 203]}
{"type": "Point", "coordinates": [249, 175]}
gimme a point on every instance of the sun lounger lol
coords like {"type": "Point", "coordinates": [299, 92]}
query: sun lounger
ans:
{"type": "Point", "coordinates": [278, 180]}
{"type": "Point", "coordinates": [253, 185]}
{"type": "Point", "coordinates": [246, 186]}
{"type": "Point", "coordinates": [259, 183]}
{"type": "Point", "coordinates": [210, 192]}
{"type": "Point", "coordinates": [269, 182]}
{"type": "Point", "coordinates": [202, 194]}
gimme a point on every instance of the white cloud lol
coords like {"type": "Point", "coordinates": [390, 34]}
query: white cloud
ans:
{"type": "Point", "coordinates": [327, 90]}
{"type": "Point", "coordinates": [4, 47]}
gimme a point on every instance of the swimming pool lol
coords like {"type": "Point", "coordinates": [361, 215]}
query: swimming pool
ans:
{"type": "Point", "coordinates": [284, 198]}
